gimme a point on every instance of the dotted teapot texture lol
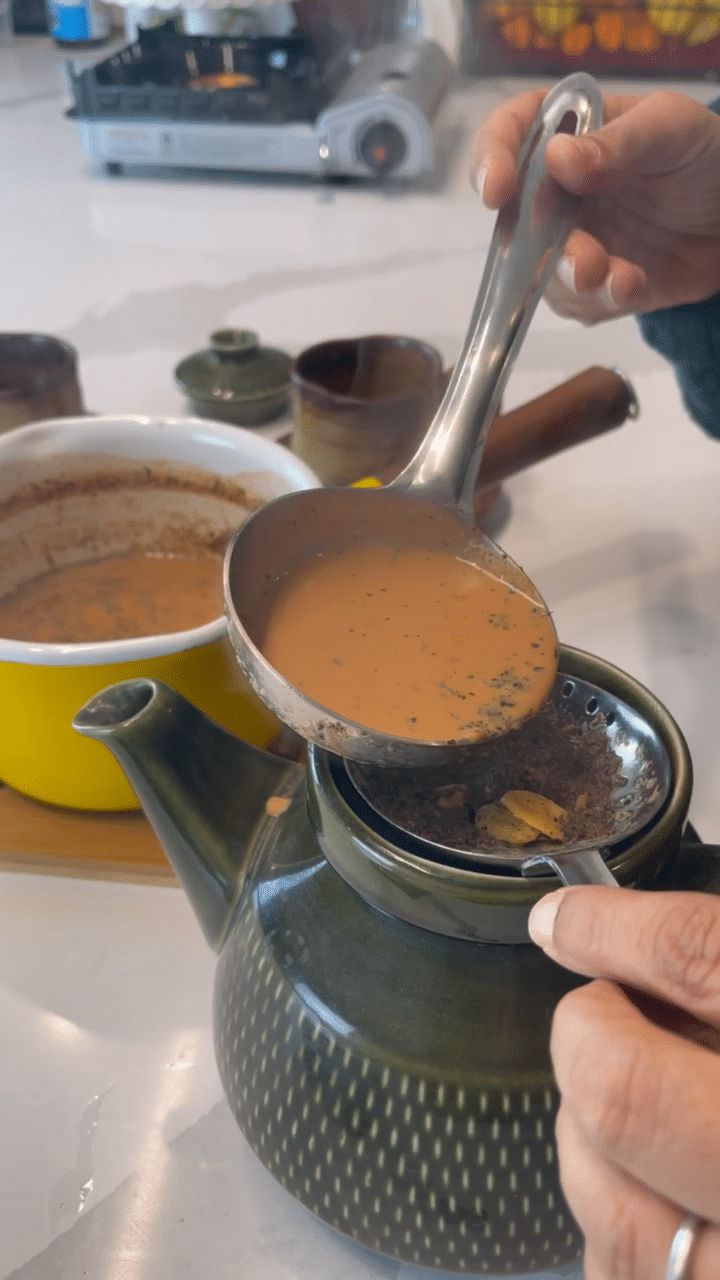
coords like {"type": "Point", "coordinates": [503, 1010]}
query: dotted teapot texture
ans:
{"type": "Point", "coordinates": [423, 1169]}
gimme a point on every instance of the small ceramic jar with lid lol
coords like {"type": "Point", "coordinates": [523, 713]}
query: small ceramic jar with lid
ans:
{"type": "Point", "coordinates": [236, 379]}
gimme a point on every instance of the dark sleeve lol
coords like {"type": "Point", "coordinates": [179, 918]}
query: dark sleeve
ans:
{"type": "Point", "coordinates": [689, 337]}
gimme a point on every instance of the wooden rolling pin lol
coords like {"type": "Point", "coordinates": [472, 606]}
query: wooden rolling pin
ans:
{"type": "Point", "coordinates": [580, 409]}
{"type": "Point", "coordinates": [586, 406]}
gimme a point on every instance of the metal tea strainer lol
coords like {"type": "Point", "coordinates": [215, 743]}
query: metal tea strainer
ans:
{"type": "Point", "coordinates": [431, 504]}
{"type": "Point", "coordinates": [643, 787]}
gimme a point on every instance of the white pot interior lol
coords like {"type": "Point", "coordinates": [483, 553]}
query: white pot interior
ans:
{"type": "Point", "coordinates": [82, 489]}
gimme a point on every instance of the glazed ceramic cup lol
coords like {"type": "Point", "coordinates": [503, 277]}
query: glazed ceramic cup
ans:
{"type": "Point", "coordinates": [41, 685]}
{"type": "Point", "coordinates": [38, 379]}
{"type": "Point", "coordinates": [362, 405]}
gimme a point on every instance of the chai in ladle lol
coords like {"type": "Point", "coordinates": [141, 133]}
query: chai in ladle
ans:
{"type": "Point", "coordinates": [289, 586]}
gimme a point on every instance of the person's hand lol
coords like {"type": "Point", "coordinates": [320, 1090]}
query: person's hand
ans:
{"type": "Point", "coordinates": [648, 235]}
{"type": "Point", "coordinates": [639, 1074]}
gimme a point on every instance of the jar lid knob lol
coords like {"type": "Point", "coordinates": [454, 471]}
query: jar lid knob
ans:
{"type": "Point", "coordinates": [234, 342]}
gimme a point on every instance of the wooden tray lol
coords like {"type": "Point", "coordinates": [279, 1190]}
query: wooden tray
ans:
{"type": "Point", "coordinates": [93, 846]}
{"type": "Point", "coordinates": [37, 838]}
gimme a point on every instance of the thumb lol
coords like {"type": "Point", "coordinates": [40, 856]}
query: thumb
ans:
{"type": "Point", "coordinates": [664, 944]}
{"type": "Point", "coordinates": [588, 165]}
{"type": "Point", "coordinates": [648, 138]}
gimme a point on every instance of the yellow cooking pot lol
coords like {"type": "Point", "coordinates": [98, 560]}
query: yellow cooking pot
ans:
{"type": "Point", "coordinates": [42, 685]}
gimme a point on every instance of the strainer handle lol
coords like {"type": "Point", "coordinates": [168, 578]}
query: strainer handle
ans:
{"type": "Point", "coordinates": [529, 236]}
{"type": "Point", "coordinates": [587, 866]}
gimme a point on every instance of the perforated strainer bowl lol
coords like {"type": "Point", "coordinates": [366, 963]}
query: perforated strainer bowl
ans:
{"type": "Point", "coordinates": [643, 787]}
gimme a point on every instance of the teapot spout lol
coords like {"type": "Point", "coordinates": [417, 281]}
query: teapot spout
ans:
{"type": "Point", "coordinates": [202, 790]}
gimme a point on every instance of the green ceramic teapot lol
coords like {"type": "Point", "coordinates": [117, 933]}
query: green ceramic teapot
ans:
{"type": "Point", "coordinates": [381, 1021]}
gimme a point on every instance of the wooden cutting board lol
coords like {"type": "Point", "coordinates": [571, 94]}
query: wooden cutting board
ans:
{"type": "Point", "coordinates": [35, 837]}
{"type": "Point", "coordinates": [93, 846]}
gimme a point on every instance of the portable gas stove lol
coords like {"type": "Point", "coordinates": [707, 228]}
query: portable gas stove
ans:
{"type": "Point", "coordinates": [264, 104]}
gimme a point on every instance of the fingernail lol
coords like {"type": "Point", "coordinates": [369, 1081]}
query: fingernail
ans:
{"type": "Point", "coordinates": [542, 918]}
{"type": "Point", "coordinates": [565, 272]}
{"type": "Point", "coordinates": [479, 180]}
{"type": "Point", "coordinates": [605, 295]}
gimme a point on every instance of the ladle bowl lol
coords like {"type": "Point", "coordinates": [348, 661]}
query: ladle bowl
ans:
{"type": "Point", "coordinates": [264, 553]}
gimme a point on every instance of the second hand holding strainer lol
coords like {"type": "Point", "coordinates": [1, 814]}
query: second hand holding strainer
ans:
{"type": "Point", "coordinates": [430, 505]}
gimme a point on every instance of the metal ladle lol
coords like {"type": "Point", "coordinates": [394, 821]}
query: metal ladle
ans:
{"type": "Point", "coordinates": [642, 789]}
{"type": "Point", "coordinates": [431, 503]}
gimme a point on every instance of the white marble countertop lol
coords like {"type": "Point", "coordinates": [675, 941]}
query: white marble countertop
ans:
{"type": "Point", "coordinates": [119, 1157]}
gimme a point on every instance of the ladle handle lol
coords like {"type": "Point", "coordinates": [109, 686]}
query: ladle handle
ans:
{"type": "Point", "coordinates": [529, 236]}
{"type": "Point", "coordinates": [587, 866]}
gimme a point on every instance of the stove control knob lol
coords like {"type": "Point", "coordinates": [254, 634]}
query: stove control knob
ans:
{"type": "Point", "coordinates": [382, 146]}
